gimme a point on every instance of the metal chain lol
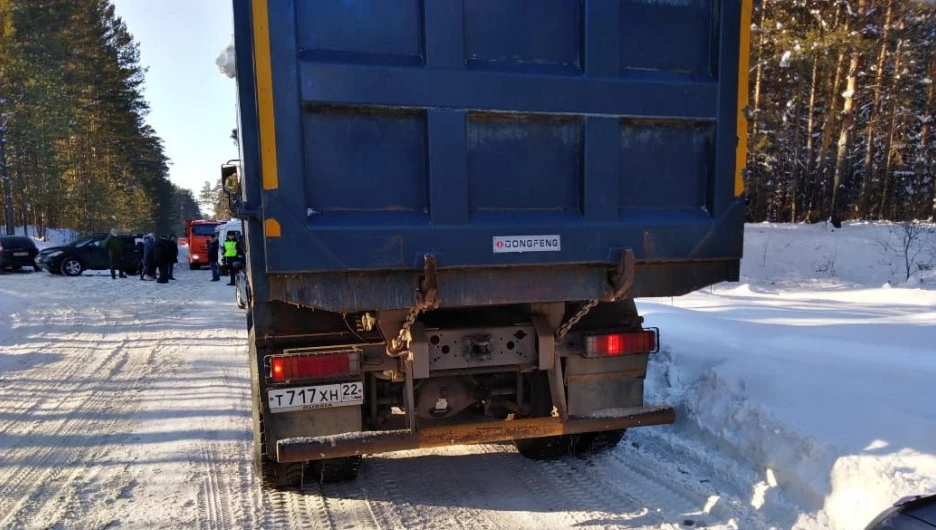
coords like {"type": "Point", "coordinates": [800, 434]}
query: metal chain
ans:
{"type": "Point", "coordinates": [401, 343]}
{"type": "Point", "coordinates": [561, 333]}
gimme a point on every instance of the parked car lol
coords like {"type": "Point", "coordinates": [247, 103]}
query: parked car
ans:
{"type": "Point", "coordinates": [916, 512]}
{"type": "Point", "coordinates": [17, 252]}
{"type": "Point", "coordinates": [88, 254]}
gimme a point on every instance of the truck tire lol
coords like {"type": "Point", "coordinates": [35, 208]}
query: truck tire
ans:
{"type": "Point", "coordinates": [272, 475]}
{"type": "Point", "coordinates": [278, 476]}
{"type": "Point", "coordinates": [540, 400]}
{"type": "Point", "coordinates": [620, 314]}
{"type": "Point", "coordinates": [594, 443]}
{"type": "Point", "coordinates": [335, 469]}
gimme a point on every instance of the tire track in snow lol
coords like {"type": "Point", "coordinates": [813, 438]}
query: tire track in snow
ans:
{"type": "Point", "coordinates": [88, 396]}
{"type": "Point", "coordinates": [224, 488]}
{"type": "Point", "coordinates": [398, 508]}
{"type": "Point", "coordinates": [44, 463]}
{"type": "Point", "coordinates": [44, 380]}
{"type": "Point", "coordinates": [214, 493]}
{"type": "Point", "coordinates": [347, 505]}
{"type": "Point", "coordinates": [39, 458]}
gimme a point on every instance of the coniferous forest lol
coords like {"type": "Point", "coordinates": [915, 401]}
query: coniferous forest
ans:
{"type": "Point", "coordinates": [79, 153]}
{"type": "Point", "coordinates": [842, 103]}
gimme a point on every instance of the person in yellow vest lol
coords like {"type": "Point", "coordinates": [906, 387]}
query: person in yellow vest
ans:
{"type": "Point", "coordinates": [232, 254]}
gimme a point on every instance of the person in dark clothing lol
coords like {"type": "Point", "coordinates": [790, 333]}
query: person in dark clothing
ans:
{"type": "Point", "coordinates": [138, 246]}
{"type": "Point", "coordinates": [149, 264]}
{"type": "Point", "coordinates": [114, 247]}
{"type": "Point", "coordinates": [213, 248]}
{"type": "Point", "coordinates": [174, 255]}
{"type": "Point", "coordinates": [162, 254]}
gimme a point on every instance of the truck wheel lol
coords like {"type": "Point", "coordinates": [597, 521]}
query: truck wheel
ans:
{"type": "Point", "coordinates": [278, 476]}
{"type": "Point", "coordinates": [272, 475]}
{"type": "Point", "coordinates": [540, 400]}
{"type": "Point", "coordinates": [595, 443]}
{"type": "Point", "coordinates": [335, 469]}
{"type": "Point", "coordinates": [622, 313]}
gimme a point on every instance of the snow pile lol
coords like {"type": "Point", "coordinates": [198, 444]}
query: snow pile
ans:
{"type": "Point", "coordinates": [226, 60]}
{"type": "Point", "coordinates": [807, 388]}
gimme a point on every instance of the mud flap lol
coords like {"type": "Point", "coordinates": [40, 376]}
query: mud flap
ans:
{"type": "Point", "coordinates": [606, 384]}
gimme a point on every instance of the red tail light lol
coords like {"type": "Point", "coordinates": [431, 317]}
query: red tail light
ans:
{"type": "Point", "coordinates": [319, 365]}
{"type": "Point", "coordinates": [644, 341]}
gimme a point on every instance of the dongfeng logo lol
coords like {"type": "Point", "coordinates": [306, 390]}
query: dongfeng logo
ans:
{"type": "Point", "coordinates": [520, 244]}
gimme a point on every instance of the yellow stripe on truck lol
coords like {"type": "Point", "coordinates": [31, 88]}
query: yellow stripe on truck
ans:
{"type": "Point", "coordinates": [271, 228]}
{"type": "Point", "coordinates": [264, 73]}
{"type": "Point", "coordinates": [744, 65]}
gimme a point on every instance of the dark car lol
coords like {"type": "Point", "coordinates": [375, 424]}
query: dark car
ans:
{"type": "Point", "coordinates": [911, 513]}
{"type": "Point", "coordinates": [88, 254]}
{"type": "Point", "coordinates": [17, 252]}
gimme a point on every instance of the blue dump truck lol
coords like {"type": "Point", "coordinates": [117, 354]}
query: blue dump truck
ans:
{"type": "Point", "coordinates": [451, 205]}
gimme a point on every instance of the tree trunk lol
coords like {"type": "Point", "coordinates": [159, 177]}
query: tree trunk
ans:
{"type": "Point", "coordinates": [924, 167]}
{"type": "Point", "coordinates": [795, 172]}
{"type": "Point", "coordinates": [810, 126]}
{"type": "Point", "coordinates": [828, 125]}
{"type": "Point", "coordinates": [889, 184]}
{"type": "Point", "coordinates": [864, 200]}
{"type": "Point", "coordinates": [848, 121]}
{"type": "Point", "coordinates": [756, 176]}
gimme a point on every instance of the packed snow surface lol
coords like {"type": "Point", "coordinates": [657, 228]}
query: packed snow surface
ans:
{"type": "Point", "coordinates": [804, 400]}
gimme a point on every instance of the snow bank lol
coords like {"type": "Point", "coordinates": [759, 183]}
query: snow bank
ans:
{"type": "Point", "coordinates": [858, 254]}
{"type": "Point", "coordinates": [807, 385]}
{"type": "Point", "coordinates": [226, 60]}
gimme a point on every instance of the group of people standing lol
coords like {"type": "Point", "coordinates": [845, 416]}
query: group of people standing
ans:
{"type": "Point", "coordinates": [159, 256]}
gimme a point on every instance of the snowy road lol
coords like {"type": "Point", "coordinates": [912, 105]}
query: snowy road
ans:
{"type": "Point", "coordinates": [125, 404]}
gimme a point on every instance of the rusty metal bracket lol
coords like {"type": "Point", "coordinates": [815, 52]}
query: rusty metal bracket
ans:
{"type": "Point", "coordinates": [623, 277]}
{"type": "Point", "coordinates": [429, 284]}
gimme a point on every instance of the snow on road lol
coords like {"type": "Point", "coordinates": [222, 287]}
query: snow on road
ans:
{"type": "Point", "coordinates": [125, 404]}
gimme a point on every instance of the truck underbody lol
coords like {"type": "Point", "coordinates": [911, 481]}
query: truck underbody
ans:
{"type": "Point", "coordinates": [554, 378]}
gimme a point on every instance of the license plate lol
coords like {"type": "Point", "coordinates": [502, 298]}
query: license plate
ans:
{"type": "Point", "coordinates": [21, 254]}
{"type": "Point", "coordinates": [316, 397]}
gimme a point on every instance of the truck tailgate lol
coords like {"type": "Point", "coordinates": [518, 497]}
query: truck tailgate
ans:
{"type": "Point", "coordinates": [494, 132]}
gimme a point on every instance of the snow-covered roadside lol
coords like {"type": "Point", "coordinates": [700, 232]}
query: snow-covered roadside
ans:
{"type": "Point", "coordinates": [118, 398]}
{"type": "Point", "coordinates": [53, 236]}
{"type": "Point", "coordinates": [807, 392]}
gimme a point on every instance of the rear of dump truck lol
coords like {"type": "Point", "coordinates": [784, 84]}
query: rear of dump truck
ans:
{"type": "Point", "coordinates": [451, 205]}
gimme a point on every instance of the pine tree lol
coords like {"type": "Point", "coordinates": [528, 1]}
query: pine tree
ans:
{"type": "Point", "coordinates": [81, 154]}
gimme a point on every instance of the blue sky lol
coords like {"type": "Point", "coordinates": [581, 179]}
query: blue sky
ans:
{"type": "Point", "coordinates": [192, 104]}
